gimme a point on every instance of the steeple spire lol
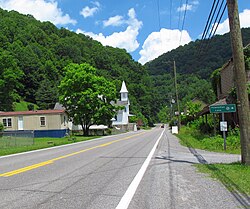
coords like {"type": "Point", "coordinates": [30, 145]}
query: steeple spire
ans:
{"type": "Point", "coordinates": [124, 92]}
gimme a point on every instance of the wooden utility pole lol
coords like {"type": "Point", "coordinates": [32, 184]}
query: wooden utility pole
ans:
{"type": "Point", "coordinates": [177, 99]}
{"type": "Point", "coordinates": [240, 80]}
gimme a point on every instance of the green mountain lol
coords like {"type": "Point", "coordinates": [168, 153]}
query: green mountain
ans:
{"type": "Point", "coordinates": [199, 57]}
{"type": "Point", "coordinates": [195, 63]}
{"type": "Point", "coordinates": [33, 55]}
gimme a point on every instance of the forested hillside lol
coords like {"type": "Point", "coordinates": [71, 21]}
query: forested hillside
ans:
{"type": "Point", "coordinates": [33, 55]}
{"type": "Point", "coordinates": [194, 68]}
{"type": "Point", "coordinates": [199, 57]}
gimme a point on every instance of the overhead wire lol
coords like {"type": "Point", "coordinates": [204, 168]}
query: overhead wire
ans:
{"type": "Point", "coordinates": [212, 28]}
{"type": "Point", "coordinates": [208, 20]}
{"type": "Point", "coordinates": [158, 10]}
{"type": "Point", "coordinates": [170, 19]}
{"type": "Point", "coordinates": [179, 15]}
{"type": "Point", "coordinates": [213, 31]}
{"type": "Point", "coordinates": [183, 22]}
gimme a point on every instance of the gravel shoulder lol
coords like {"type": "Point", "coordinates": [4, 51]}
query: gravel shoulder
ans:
{"type": "Point", "coordinates": [172, 180]}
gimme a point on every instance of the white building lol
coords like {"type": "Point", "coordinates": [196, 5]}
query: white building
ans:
{"type": "Point", "coordinates": [122, 115]}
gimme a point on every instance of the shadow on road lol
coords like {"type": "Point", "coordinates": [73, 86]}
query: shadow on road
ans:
{"type": "Point", "coordinates": [240, 195]}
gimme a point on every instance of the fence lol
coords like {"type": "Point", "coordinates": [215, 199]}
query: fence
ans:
{"type": "Point", "coordinates": [16, 138]}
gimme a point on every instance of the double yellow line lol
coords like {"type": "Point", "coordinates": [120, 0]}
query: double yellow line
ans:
{"type": "Point", "coordinates": [38, 165]}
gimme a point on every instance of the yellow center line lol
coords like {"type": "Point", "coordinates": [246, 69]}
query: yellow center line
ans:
{"type": "Point", "coordinates": [38, 165]}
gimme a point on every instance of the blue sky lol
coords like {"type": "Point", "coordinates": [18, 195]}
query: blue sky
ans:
{"type": "Point", "coordinates": [145, 28]}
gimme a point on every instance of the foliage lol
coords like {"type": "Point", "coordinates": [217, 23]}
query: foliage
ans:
{"type": "Point", "coordinates": [1, 127]}
{"type": "Point", "coordinates": [10, 75]}
{"type": "Point", "coordinates": [192, 110]}
{"type": "Point", "coordinates": [204, 127]}
{"type": "Point", "coordinates": [192, 137]}
{"type": "Point", "coordinates": [194, 68]}
{"type": "Point", "coordinates": [163, 115]}
{"type": "Point", "coordinates": [23, 106]}
{"type": "Point", "coordinates": [87, 96]}
{"type": "Point", "coordinates": [189, 60]}
{"type": "Point", "coordinates": [140, 119]}
{"type": "Point", "coordinates": [38, 52]}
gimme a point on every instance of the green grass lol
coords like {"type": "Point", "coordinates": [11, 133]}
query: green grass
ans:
{"type": "Point", "coordinates": [40, 143]}
{"type": "Point", "coordinates": [234, 176]}
{"type": "Point", "coordinates": [193, 138]}
{"type": "Point", "coordinates": [22, 106]}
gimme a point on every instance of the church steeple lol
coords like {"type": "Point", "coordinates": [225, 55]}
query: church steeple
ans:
{"type": "Point", "coordinates": [124, 92]}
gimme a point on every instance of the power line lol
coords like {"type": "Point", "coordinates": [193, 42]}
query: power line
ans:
{"type": "Point", "coordinates": [158, 10]}
{"type": "Point", "coordinates": [184, 17]}
{"type": "Point", "coordinates": [212, 28]}
{"type": "Point", "coordinates": [179, 15]}
{"type": "Point", "coordinates": [208, 20]}
{"type": "Point", "coordinates": [171, 3]}
{"type": "Point", "coordinates": [217, 23]}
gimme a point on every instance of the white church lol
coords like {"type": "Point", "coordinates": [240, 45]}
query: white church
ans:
{"type": "Point", "coordinates": [122, 118]}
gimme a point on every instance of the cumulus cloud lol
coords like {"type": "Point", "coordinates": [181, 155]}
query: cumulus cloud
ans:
{"type": "Point", "coordinates": [125, 39]}
{"type": "Point", "coordinates": [40, 9]}
{"type": "Point", "coordinates": [114, 21]}
{"type": "Point", "coordinates": [161, 42]}
{"type": "Point", "coordinates": [88, 12]}
{"type": "Point", "coordinates": [244, 22]}
{"type": "Point", "coordinates": [189, 7]}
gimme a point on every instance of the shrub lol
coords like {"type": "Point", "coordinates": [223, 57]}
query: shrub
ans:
{"type": "Point", "coordinates": [1, 127]}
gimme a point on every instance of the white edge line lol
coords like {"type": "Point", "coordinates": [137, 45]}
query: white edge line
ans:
{"type": "Point", "coordinates": [57, 147]}
{"type": "Point", "coordinates": [127, 197]}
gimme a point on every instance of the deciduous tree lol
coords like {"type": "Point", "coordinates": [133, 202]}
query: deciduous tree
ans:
{"type": "Point", "coordinates": [86, 96]}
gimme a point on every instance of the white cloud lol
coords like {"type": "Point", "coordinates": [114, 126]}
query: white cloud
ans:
{"type": "Point", "coordinates": [161, 42]}
{"type": "Point", "coordinates": [40, 9]}
{"type": "Point", "coordinates": [114, 21]}
{"type": "Point", "coordinates": [125, 39]}
{"type": "Point", "coordinates": [189, 7]}
{"type": "Point", "coordinates": [244, 22]}
{"type": "Point", "coordinates": [88, 12]}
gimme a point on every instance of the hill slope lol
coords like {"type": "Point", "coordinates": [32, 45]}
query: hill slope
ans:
{"type": "Point", "coordinates": [190, 60]}
{"type": "Point", "coordinates": [33, 54]}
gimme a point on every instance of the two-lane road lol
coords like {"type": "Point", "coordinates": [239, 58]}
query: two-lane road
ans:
{"type": "Point", "coordinates": [93, 174]}
{"type": "Point", "coordinates": [136, 170]}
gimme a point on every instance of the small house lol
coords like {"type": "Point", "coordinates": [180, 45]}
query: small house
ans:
{"type": "Point", "coordinates": [44, 123]}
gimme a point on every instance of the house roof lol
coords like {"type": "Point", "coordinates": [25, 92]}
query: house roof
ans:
{"type": "Point", "coordinates": [59, 106]}
{"type": "Point", "coordinates": [206, 109]}
{"type": "Point", "coordinates": [33, 112]}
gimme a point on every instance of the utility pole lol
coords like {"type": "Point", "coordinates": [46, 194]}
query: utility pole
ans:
{"type": "Point", "coordinates": [177, 99]}
{"type": "Point", "coordinates": [240, 80]}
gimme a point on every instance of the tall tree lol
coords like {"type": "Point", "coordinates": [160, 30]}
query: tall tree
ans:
{"type": "Point", "coordinates": [10, 75]}
{"type": "Point", "coordinates": [86, 96]}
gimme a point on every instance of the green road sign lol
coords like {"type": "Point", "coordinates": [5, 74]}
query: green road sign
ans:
{"type": "Point", "coordinates": [222, 108]}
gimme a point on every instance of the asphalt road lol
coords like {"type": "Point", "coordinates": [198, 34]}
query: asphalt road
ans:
{"type": "Point", "coordinates": [145, 169]}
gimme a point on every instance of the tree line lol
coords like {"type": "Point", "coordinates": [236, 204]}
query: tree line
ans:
{"type": "Point", "coordinates": [33, 55]}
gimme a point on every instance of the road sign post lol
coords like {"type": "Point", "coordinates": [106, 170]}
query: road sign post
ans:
{"type": "Point", "coordinates": [222, 108]}
{"type": "Point", "coordinates": [226, 108]}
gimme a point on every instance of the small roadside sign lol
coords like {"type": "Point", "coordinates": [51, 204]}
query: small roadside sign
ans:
{"type": "Point", "coordinates": [223, 126]}
{"type": "Point", "coordinates": [222, 108]}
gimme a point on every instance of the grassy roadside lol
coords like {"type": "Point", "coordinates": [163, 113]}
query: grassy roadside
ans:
{"type": "Point", "coordinates": [40, 143]}
{"type": "Point", "coordinates": [234, 176]}
{"type": "Point", "coordinates": [193, 138]}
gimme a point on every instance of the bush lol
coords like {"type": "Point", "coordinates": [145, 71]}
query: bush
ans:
{"type": "Point", "coordinates": [1, 127]}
